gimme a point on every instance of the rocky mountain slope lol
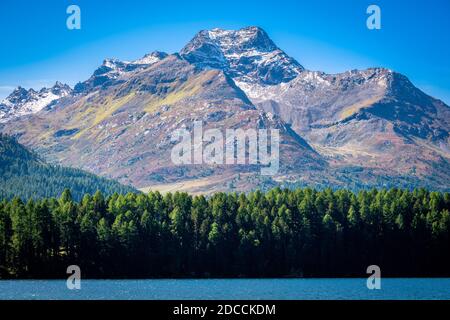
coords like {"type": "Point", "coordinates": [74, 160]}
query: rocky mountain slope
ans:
{"type": "Point", "coordinates": [22, 102]}
{"type": "Point", "coordinates": [356, 129]}
{"type": "Point", "coordinates": [112, 71]}
{"type": "Point", "coordinates": [123, 130]}
{"type": "Point", "coordinates": [372, 119]}
{"type": "Point", "coordinates": [246, 55]}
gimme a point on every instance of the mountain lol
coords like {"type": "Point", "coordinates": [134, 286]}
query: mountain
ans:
{"type": "Point", "coordinates": [358, 129]}
{"type": "Point", "coordinates": [112, 70]}
{"type": "Point", "coordinates": [23, 102]}
{"type": "Point", "coordinates": [374, 119]}
{"type": "Point", "coordinates": [25, 175]}
{"type": "Point", "coordinates": [123, 130]}
{"type": "Point", "coordinates": [246, 55]}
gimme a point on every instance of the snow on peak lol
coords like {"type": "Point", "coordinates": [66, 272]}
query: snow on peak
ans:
{"type": "Point", "coordinates": [150, 58]}
{"type": "Point", "coordinates": [22, 102]}
{"type": "Point", "coordinates": [113, 69]}
{"type": "Point", "coordinates": [250, 38]}
{"type": "Point", "coordinates": [123, 66]}
{"type": "Point", "coordinates": [248, 55]}
{"type": "Point", "coordinates": [114, 64]}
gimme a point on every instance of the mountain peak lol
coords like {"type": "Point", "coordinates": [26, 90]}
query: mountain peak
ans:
{"type": "Point", "coordinates": [60, 89]}
{"type": "Point", "coordinates": [151, 58]}
{"type": "Point", "coordinates": [119, 65]}
{"type": "Point", "coordinates": [59, 84]}
{"type": "Point", "coordinates": [245, 38]}
{"type": "Point", "coordinates": [19, 89]}
{"type": "Point", "coordinates": [112, 70]}
{"type": "Point", "coordinates": [112, 63]}
{"type": "Point", "coordinates": [22, 101]}
{"type": "Point", "coordinates": [247, 55]}
{"type": "Point", "coordinates": [19, 94]}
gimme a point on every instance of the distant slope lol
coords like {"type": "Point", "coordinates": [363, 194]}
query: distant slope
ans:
{"type": "Point", "coordinates": [23, 174]}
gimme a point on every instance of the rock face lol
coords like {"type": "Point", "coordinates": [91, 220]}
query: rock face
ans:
{"type": "Point", "coordinates": [113, 70]}
{"type": "Point", "coordinates": [22, 102]}
{"type": "Point", "coordinates": [355, 129]}
{"type": "Point", "coordinates": [246, 55]}
{"type": "Point", "coordinates": [373, 119]}
{"type": "Point", "coordinates": [124, 130]}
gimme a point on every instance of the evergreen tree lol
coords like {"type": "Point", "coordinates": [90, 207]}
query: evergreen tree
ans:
{"type": "Point", "coordinates": [282, 232]}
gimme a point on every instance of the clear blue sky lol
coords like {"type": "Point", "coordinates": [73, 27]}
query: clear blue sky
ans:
{"type": "Point", "coordinates": [37, 48]}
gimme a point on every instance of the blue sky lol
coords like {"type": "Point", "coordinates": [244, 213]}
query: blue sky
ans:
{"type": "Point", "coordinates": [328, 35]}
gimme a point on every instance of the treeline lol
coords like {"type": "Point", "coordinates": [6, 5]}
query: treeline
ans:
{"type": "Point", "coordinates": [24, 174]}
{"type": "Point", "coordinates": [300, 232]}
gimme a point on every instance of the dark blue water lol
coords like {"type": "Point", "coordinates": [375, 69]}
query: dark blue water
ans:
{"type": "Point", "coordinates": [239, 289]}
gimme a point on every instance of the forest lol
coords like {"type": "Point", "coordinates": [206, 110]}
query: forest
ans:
{"type": "Point", "coordinates": [280, 233]}
{"type": "Point", "coordinates": [24, 174]}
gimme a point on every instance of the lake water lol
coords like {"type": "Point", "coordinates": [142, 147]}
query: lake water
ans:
{"type": "Point", "coordinates": [238, 289]}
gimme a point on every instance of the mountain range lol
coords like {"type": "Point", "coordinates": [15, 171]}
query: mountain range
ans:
{"type": "Point", "coordinates": [22, 102]}
{"type": "Point", "coordinates": [358, 129]}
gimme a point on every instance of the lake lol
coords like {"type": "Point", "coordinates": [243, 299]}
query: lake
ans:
{"type": "Point", "coordinates": [228, 289]}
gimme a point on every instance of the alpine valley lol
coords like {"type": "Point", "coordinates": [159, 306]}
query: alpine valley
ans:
{"type": "Point", "coordinates": [357, 129]}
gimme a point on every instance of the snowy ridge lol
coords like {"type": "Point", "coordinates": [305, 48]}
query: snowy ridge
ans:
{"type": "Point", "coordinates": [112, 70]}
{"type": "Point", "coordinates": [247, 55]}
{"type": "Point", "coordinates": [150, 58]}
{"type": "Point", "coordinates": [319, 84]}
{"type": "Point", "coordinates": [22, 102]}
